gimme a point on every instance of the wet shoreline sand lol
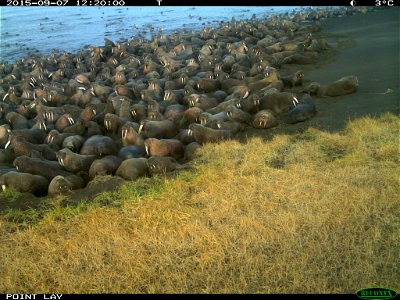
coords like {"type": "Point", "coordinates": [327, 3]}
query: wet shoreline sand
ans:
{"type": "Point", "coordinates": [365, 45]}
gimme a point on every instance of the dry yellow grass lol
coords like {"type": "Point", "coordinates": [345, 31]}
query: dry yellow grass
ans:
{"type": "Point", "coordinates": [308, 213]}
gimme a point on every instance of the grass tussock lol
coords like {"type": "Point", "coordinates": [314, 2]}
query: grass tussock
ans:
{"type": "Point", "coordinates": [310, 213]}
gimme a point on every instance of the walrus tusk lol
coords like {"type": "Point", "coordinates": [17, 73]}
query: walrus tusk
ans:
{"type": "Point", "coordinates": [7, 144]}
{"type": "Point", "coordinates": [5, 96]}
{"type": "Point", "coordinates": [190, 132]}
{"type": "Point", "coordinates": [245, 95]}
{"type": "Point", "coordinates": [147, 150]}
{"type": "Point", "coordinates": [140, 128]}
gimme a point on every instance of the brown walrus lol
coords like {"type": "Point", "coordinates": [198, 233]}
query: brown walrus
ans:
{"type": "Point", "coordinates": [104, 166]}
{"type": "Point", "coordinates": [204, 134]}
{"type": "Point", "coordinates": [25, 183]}
{"type": "Point", "coordinates": [164, 147]}
{"type": "Point", "coordinates": [164, 164]}
{"type": "Point", "coordinates": [132, 168]}
{"type": "Point", "coordinates": [74, 162]}
{"type": "Point", "coordinates": [264, 119]}
{"type": "Point", "coordinates": [61, 185]}
{"type": "Point", "coordinates": [37, 166]}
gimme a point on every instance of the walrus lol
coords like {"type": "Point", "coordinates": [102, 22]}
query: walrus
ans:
{"type": "Point", "coordinates": [271, 77]}
{"type": "Point", "coordinates": [61, 185]}
{"type": "Point", "coordinates": [301, 59]}
{"type": "Point", "coordinates": [99, 145]}
{"type": "Point", "coordinates": [184, 137]}
{"type": "Point", "coordinates": [6, 156]}
{"type": "Point", "coordinates": [130, 135]}
{"type": "Point", "coordinates": [231, 125]}
{"type": "Point", "coordinates": [158, 129]}
{"type": "Point", "coordinates": [249, 104]}
{"type": "Point", "coordinates": [73, 143]}
{"type": "Point", "coordinates": [264, 119]}
{"type": "Point", "coordinates": [56, 138]}
{"type": "Point", "coordinates": [74, 162]}
{"type": "Point", "coordinates": [132, 168]}
{"type": "Point", "coordinates": [208, 85]}
{"type": "Point", "coordinates": [293, 79]}
{"type": "Point", "coordinates": [206, 118]}
{"type": "Point", "coordinates": [202, 101]}
{"type": "Point", "coordinates": [139, 112]}
{"type": "Point", "coordinates": [277, 102]}
{"type": "Point", "coordinates": [163, 165]}
{"type": "Point", "coordinates": [238, 115]}
{"type": "Point", "coordinates": [78, 128]}
{"type": "Point", "coordinates": [343, 86]}
{"type": "Point", "coordinates": [302, 111]}
{"type": "Point", "coordinates": [16, 120]}
{"type": "Point", "coordinates": [191, 115]}
{"type": "Point", "coordinates": [132, 151]}
{"type": "Point", "coordinates": [112, 123]}
{"type": "Point", "coordinates": [25, 183]}
{"type": "Point", "coordinates": [174, 112]}
{"type": "Point", "coordinates": [221, 106]}
{"type": "Point", "coordinates": [107, 165]}
{"type": "Point", "coordinates": [164, 147]}
{"type": "Point", "coordinates": [204, 134]}
{"type": "Point", "coordinates": [93, 128]}
{"type": "Point", "coordinates": [22, 147]}
{"type": "Point", "coordinates": [37, 166]}
{"type": "Point", "coordinates": [190, 151]}
{"type": "Point", "coordinates": [63, 122]}
{"type": "Point", "coordinates": [5, 132]}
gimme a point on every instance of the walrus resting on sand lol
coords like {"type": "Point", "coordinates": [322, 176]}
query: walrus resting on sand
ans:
{"type": "Point", "coordinates": [343, 86]}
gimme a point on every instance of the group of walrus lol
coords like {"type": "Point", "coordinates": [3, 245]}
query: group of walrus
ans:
{"type": "Point", "coordinates": [143, 107]}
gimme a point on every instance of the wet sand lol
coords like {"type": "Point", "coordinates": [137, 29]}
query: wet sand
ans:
{"type": "Point", "coordinates": [365, 45]}
{"type": "Point", "coordinates": [372, 55]}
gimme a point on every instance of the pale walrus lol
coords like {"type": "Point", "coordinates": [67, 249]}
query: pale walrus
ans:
{"type": "Point", "coordinates": [343, 86]}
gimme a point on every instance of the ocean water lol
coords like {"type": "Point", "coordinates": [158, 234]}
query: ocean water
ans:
{"type": "Point", "coordinates": [40, 30]}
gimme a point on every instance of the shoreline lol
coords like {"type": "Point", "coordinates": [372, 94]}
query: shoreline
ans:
{"type": "Point", "coordinates": [119, 30]}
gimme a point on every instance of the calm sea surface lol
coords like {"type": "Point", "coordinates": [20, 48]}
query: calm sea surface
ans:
{"type": "Point", "coordinates": [26, 30]}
